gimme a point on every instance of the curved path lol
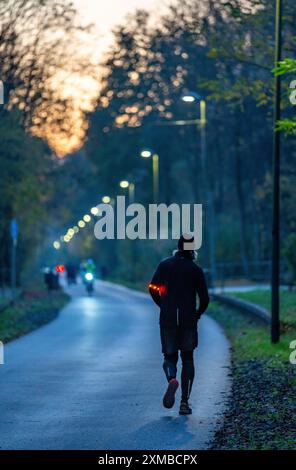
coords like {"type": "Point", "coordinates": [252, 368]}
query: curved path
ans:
{"type": "Point", "coordinates": [93, 379]}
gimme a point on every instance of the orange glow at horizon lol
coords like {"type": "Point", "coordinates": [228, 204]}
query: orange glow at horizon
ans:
{"type": "Point", "coordinates": [81, 89]}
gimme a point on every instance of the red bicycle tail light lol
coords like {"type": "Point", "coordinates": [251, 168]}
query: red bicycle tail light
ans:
{"type": "Point", "coordinates": [60, 268]}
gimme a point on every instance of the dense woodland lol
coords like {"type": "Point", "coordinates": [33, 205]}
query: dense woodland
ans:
{"type": "Point", "coordinates": [222, 50]}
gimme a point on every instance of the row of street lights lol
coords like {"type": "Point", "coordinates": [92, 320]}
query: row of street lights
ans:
{"type": "Point", "coordinates": [82, 223]}
{"type": "Point", "coordinates": [124, 184]}
{"type": "Point", "coordinates": [190, 97]}
{"type": "Point", "coordinates": [72, 231]}
{"type": "Point", "coordinates": [94, 211]}
{"type": "Point", "coordinates": [147, 153]}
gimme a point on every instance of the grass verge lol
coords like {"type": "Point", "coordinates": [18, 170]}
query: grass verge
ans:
{"type": "Point", "coordinates": [263, 298]}
{"type": "Point", "coordinates": [31, 310]}
{"type": "Point", "coordinates": [262, 408]}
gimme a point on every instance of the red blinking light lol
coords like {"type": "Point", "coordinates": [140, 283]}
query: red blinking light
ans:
{"type": "Point", "coordinates": [160, 289]}
{"type": "Point", "coordinates": [60, 268]}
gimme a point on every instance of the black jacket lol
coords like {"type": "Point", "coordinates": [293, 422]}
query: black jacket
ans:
{"type": "Point", "coordinates": [174, 287]}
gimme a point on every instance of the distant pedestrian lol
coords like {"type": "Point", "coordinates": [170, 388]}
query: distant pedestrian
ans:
{"type": "Point", "coordinates": [71, 272]}
{"type": "Point", "coordinates": [51, 279]}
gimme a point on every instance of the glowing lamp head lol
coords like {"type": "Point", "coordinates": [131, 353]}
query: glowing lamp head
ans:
{"type": "Point", "coordinates": [146, 153]}
{"type": "Point", "coordinates": [81, 224]}
{"type": "Point", "coordinates": [124, 184]}
{"type": "Point", "coordinates": [87, 218]}
{"type": "Point", "coordinates": [188, 98]}
{"type": "Point", "coordinates": [106, 199]}
{"type": "Point", "coordinates": [94, 211]}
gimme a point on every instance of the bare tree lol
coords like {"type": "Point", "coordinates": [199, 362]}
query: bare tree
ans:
{"type": "Point", "coordinates": [41, 46]}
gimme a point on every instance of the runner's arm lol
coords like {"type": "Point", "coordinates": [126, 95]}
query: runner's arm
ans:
{"type": "Point", "coordinates": [202, 292]}
{"type": "Point", "coordinates": [155, 284]}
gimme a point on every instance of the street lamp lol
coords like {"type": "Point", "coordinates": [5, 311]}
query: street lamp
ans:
{"type": "Point", "coordinates": [81, 224]}
{"type": "Point", "coordinates": [188, 98]}
{"type": "Point", "coordinates": [87, 218]}
{"type": "Point", "coordinates": [94, 210]}
{"type": "Point", "coordinates": [124, 184]}
{"type": "Point", "coordinates": [146, 153]}
{"type": "Point", "coordinates": [192, 97]}
{"type": "Point", "coordinates": [275, 278]}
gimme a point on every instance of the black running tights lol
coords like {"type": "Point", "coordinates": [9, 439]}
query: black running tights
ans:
{"type": "Point", "coordinates": [187, 374]}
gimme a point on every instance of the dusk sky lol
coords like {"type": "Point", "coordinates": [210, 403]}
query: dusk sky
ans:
{"type": "Point", "coordinates": [107, 13]}
{"type": "Point", "coordinates": [104, 14]}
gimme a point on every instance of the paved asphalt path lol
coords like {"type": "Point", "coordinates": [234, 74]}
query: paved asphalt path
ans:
{"type": "Point", "coordinates": [93, 379]}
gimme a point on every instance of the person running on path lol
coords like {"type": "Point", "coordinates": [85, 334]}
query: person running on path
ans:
{"type": "Point", "coordinates": [174, 287]}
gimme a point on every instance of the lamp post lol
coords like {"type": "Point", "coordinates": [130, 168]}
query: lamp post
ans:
{"type": "Point", "coordinates": [275, 277]}
{"type": "Point", "coordinates": [131, 193]}
{"type": "Point", "coordinates": [192, 97]}
{"type": "Point", "coordinates": [146, 153]}
{"type": "Point", "coordinates": [124, 184]}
